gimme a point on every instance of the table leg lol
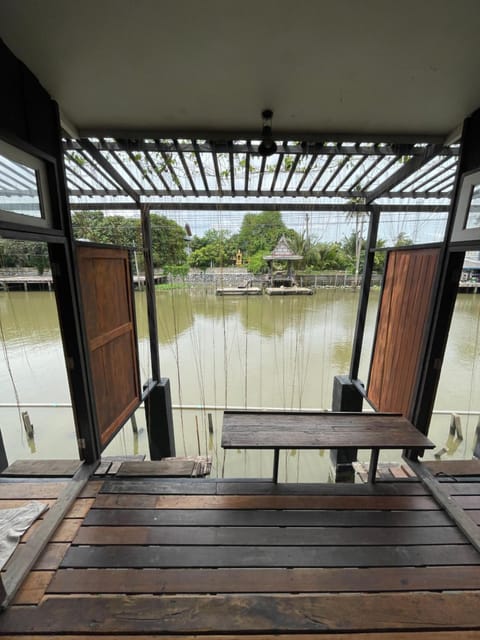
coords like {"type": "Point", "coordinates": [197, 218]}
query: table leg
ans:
{"type": "Point", "coordinates": [372, 472]}
{"type": "Point", "coordinates": [276, 455]}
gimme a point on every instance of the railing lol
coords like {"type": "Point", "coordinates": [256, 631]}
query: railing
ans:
{"type": "Point", "coordinates": [453, 441]}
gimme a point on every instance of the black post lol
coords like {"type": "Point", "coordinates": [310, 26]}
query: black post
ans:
{"type": "Point", "coordinates": [346, 397]}
{"type": "Point", "coordinates": [158, 402]}
{"type": "Point", "coordinates": [74, 345]}
{"type": "Point", "coordinates": [158, 411]}
{"type": "Point", "coordinates": [365, 291]}
{"type": "Point", "coordinates": [448, 277]}
{"type": "Point", "coordinates": [150, 290]}
{"type": "Point", "coordinates": [476, 448]}
{"type": "Point", "coordinates": [3, 455]}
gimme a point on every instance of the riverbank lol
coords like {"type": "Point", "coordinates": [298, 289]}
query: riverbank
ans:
{"type": "Point", "coordinates": [30, 280]}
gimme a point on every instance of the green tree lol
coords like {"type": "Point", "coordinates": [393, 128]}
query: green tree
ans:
{"type": "Point", "coordinates": [204, 257]}
{"type": "Point", "coordinates": [87, 225]}
{"type": "Point", "coordinates": [97, 227]}
{"type": "Point", "coordinates": [214, 248]}
{"type": "Point", "coordinates": [121, 231]}
{"type": "Point", "coordinates": [302, 245]}
{"type": "Point", "coordinates": [20, 253]}
{"type": "Point", "coordinates": [39, 256]}
{"type": "Point", "coordinates": [260, 231]}
{"type": "Point", "coordinates": [168, 241]}
{"type": "Point", "coordinates": [380, 256]}
{"type": "Point", "coordinates": [350, 248]}
{"type": "Point", "coordinates": [353, 251]}
{"type": "Point", "coordinates": [256, 263]}
{"type": "Point", "coordinates": [331, 256]}
{"type": "Point", "coordinates": [168, 245]}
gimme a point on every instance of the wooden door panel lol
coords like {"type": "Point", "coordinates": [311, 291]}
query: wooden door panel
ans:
{"type": "Point", "coordinates": [402, 317]}
{"type": "Point", "coordinates": [107, 297]}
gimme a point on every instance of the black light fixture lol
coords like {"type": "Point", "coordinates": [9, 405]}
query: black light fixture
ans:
{"type": "Point", "coordinates": [267, 147]}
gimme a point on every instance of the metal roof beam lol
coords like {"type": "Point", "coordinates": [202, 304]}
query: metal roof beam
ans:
{"type": "Point", "coordinates": [424, 173]}
{"type": "Point", "coordinates": [366, 173]}
{"type": "Point", "coordinates": [105, 164]}
{"type": "Point", "coordinates": [321, 172]}
{"type": "Point", "coordinates": [336, 171]}
{"type": "Point", "coordinates": [346, 178]}
{"type": "Point", "coordinates": [307, 170]}
{"type": "Point", "coordinates": [277, 171]}
{"type": "Point", "coordinates": [261, 174]}
{"type": "Point", "coordinates": [198, 158]}
{"type": "Point", "coordinates": [247, 171]}
{"type": "Point", "coordinates": [157, 173]}
{"type": "Point", "coordinates": [437, 178]}
{"type": "Point", "coordinates": [347, 196]}
{"type": "Point", "coordinates": [293, 168]}
{"type": "Point", "coordinates": [308, 136]}
{"type": "Point", "coordinates": [181, 155]}
{"type": "Point", "coordinates": [169, 164]}
{"type": "Point", "coordinates": [232, 168]}
{"type": "Point", "coordinates": [90, 168]}
{"type": "Point", "coordinates": [142, 170]}
{"type": "Point", "coordinates": [291, 148]}
{"type": "Point", "coordinates": [217, 172]}
{"type": "Point", "coordinates": [79, 173]}
{"type": "Point", "coordinates": [412, 165]}
{"type": "Point", "coordinates": [126, 169]}
{"type": "Point", "coordinates": [261, 206]}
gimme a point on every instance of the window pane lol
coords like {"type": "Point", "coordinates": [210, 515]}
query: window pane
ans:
{"type": "Point", "coordinates": [473, 219]}
{"type": "Point", "coordinates": [21, 180]}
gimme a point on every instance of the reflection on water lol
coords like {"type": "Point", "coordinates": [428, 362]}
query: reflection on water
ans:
{"type": "Point", "coordinates": [259, 351]}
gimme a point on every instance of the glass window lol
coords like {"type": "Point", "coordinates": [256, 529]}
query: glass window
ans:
{"type": "Point", "coordinates": [467, 214]}
{"type": "Point", "coordinates": [473, 218]}
{"type": "Point", "coordinates": [23, 187]}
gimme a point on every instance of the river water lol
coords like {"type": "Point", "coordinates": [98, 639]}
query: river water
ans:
{"type": "Point", "coordinates": [247, 352]}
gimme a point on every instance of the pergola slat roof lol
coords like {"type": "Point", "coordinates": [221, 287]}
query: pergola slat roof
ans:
{"type": "Point", "coordinates": [194, 173]}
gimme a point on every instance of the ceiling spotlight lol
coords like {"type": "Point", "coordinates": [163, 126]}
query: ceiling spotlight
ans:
{"type": "Point", "coordinates": [267, 147]}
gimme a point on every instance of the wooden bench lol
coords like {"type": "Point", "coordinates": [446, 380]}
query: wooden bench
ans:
{"type": "Point", "coordinates": [320, 430]}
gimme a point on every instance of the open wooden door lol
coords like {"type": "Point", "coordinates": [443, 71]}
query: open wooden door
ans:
{"type": "Point", "coordinates": [401, 326]}
{"type": "Point", "coordinates": [107, 300]}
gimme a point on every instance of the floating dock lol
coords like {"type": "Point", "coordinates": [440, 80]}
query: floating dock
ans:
{"type": "Point", "coordinates": [239, 291]}
{"type": "Point", "coordinates": [288, 291]}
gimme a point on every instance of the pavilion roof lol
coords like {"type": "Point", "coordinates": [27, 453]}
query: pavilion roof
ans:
{"type": "Point", "coordinates": [282, 252]}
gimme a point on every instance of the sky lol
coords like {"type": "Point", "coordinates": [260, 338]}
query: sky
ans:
{"type": "Point", "coordinates": [322, 226]}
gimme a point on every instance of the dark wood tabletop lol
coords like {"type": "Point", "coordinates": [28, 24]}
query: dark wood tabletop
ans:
{"type": "Point", "coordinates": [319, 430]}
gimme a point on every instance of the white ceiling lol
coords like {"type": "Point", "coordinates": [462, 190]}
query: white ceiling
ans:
{"type": "Point", "coordinates": [324, 66]}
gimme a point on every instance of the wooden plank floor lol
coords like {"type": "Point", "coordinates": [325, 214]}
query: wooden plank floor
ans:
{"type": "Point", "coordinates": [148, 557]}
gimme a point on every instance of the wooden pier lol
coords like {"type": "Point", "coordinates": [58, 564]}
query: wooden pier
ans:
{"type": "Point", "coordinates": [151, 556]}
{"type": "Point", "coordinates": [45, 282]}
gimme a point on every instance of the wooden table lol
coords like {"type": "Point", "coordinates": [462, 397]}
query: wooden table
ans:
{"type": "Point", "coordinates": [320, 430]}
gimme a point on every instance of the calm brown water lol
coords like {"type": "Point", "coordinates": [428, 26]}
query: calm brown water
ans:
{"type": "Point", "coordinates": [237, 352]}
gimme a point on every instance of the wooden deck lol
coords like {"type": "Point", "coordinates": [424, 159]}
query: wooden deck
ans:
{"type": "Point", "coordinates": [143, 557]}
